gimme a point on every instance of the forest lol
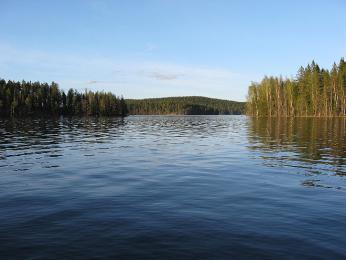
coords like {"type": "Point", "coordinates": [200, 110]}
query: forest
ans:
{"type": "Point", "coordinates": [192, 105]}
{"type": "Point", "coordinates": [314, 92]}
{"type": "Point", "coordinates": [35, 98]}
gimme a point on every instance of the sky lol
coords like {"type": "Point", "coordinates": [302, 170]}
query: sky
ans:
{"type": "Point", "coordinates": [159, 48]}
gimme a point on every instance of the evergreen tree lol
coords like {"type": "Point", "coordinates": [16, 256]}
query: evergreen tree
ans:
{"type": "Point", "coordinates": [26, 98]}
{"type": "Point", "coordinates": [314, 92]}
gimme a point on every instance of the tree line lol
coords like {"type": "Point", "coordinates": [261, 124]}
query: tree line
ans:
{"type": "Point", "coordinates": [184, 106]}
{"type": "Point", "coordinates": [314, 92]}
{"type": "Point", "coordinates": [32, 98]}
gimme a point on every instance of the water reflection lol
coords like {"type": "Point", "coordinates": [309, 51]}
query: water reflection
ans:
{"type": "Point", "coordinates": [29, 142]}
{"type": "Point", "coordinates": [315, 147]}
{"type": "Point", "coordinates": [176, 187]}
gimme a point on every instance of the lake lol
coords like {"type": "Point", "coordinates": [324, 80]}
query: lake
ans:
{"type": "Point", "coordinates": [173, 187]}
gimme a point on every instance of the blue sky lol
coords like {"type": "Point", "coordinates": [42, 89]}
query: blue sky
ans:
{"type": "Point", "coordinates": [153, 48]}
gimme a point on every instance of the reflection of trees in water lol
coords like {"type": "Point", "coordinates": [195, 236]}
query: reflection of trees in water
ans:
{"type": "Point", "coordinates": [317, 145]}
{"type": "Point", "coordinates": [91, 129]}
{"type": "Point", "coordinates": [45, 135]}
{"type": "Point", "coordinates": [183, 126]}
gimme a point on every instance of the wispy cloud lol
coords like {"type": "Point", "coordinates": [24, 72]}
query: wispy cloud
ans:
{"type": "Point", "coordinates": [90, 82]}
{"type": "Point", "coordinates": [136, 78]}
{"type": "Point", "coordinates": [164, 76]}
{"type": "Point", "coordinates": [104, 82]}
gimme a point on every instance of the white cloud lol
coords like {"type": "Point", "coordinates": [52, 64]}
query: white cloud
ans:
{"type": "Point", "coordinates": [164, 76]}
{"type": "Point", "coordinates": [135, 79]}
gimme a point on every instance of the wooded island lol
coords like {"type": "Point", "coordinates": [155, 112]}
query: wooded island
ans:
{"type": "Point", "coordinates": [192, 105]}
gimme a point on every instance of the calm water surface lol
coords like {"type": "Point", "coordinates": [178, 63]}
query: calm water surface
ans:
{"type": "Point", "coordinates": [175, 187]}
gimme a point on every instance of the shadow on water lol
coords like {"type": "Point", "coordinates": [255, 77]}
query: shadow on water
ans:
{"type": "Point", "coordinates": [44, 138]}
{"type": "Point", "coordinates": [35, 131]}
{"type": "Point", "coordinates": [315, 147]}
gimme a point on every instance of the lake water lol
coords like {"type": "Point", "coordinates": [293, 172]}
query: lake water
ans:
{"type": "Point", "coordinates": [173, 187]}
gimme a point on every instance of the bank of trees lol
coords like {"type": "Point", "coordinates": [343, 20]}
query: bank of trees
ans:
{"type": "Point", "coordinates": [314, 92]}
{"type": "Point", "coordinates": [184, 106]}
{"type": "Point", "coordinates": [33, 98]}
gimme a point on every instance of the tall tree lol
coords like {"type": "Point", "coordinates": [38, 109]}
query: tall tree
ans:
{"type": "Point", "coordinates": [314, 92]}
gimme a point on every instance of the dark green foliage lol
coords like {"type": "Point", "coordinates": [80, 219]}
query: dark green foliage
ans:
{"type": "Point", "coordinates": [184, 106]}
{"type": "Point", "coordinates": [314, 92]}
{"type": "Point", "coordinates": [27, 98]}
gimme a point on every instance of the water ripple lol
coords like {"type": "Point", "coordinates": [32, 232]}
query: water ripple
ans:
{"type": "Point", "coordinates": [157, 187]}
